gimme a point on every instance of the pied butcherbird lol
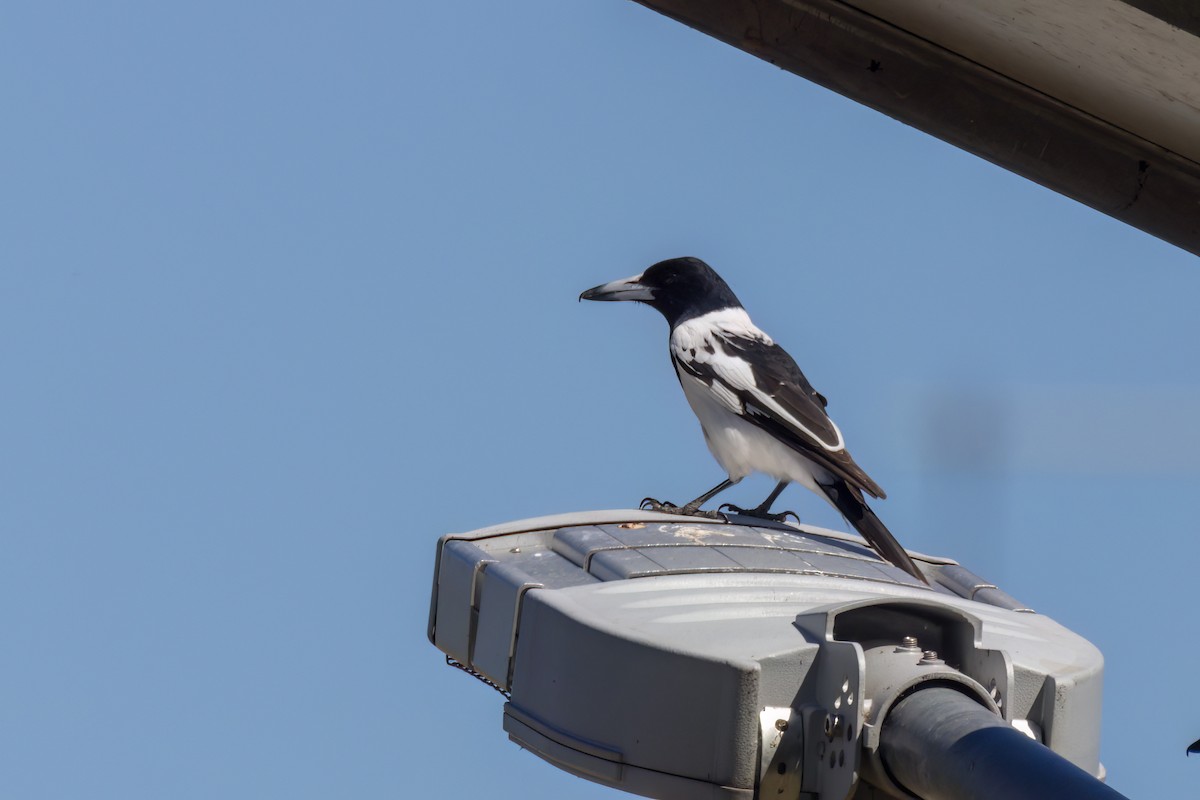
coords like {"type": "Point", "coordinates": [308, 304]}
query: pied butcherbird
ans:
{"type": "Point", "coordinates": [758, 411]}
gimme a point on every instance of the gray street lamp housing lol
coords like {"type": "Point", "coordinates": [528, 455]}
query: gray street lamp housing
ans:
{"type": "Point", "coordinates": [682, 658]}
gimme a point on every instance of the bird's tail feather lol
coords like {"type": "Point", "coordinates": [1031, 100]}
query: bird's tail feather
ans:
{"type": "Point", "coordinates": [850, 503]}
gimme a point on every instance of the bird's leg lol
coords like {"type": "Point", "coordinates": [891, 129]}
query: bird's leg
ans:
{"type": "Point", "coordinates": [692, 508]}
{"type": "Point", "coordinates": [763, 509]}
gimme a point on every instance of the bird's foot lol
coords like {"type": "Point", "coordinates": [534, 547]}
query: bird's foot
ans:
{"type": "Point", "coordinates": [761, 513]}
{"type": "Point", "coordinates": [650, 504]}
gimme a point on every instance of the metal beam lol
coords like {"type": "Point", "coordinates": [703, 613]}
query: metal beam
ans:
{"type": "Point", "coordinates": [1039, 133]}
{"type": "Point", "coordinates": [1183, 14]}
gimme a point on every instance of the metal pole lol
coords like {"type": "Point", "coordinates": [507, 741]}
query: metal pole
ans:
{"type": "Point", "coordinates": [940, 744]}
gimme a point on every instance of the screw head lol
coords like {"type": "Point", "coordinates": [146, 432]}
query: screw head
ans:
{"type": "Point", "coordinates": [930, 657]}
{"type": "Point", "coordinates": [781, 724]}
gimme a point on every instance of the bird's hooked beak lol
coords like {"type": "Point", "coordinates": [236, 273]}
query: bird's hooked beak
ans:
{"type": "Point", "coordinates": [624, 289]}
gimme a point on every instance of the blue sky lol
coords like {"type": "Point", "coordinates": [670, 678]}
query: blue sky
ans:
{"type": "Point", "coordinates": [288, 290]}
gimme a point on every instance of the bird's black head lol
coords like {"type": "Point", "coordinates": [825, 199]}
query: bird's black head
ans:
{"type": "Point", "coordinates": [680, 288]}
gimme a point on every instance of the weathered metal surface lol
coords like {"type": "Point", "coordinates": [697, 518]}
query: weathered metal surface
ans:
{"type": "Point", "coordinates": [1115, 127]}
{"type": "Point", "coordinates": [641, 650]}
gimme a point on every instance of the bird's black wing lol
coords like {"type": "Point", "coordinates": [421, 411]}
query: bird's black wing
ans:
{"type": "Point", "coordinates": [775, 395]}
{"type": "Point", "coordinates": [761, 383]}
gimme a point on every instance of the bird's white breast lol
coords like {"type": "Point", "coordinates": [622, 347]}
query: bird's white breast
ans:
{"type": "Point", "coordinates": [739, 446]}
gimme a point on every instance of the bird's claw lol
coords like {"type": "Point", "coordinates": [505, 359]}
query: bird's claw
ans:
{"type": "Point", "coordinates": [650, 504]}
{"type": "Point", "coordinates": [760, 513]}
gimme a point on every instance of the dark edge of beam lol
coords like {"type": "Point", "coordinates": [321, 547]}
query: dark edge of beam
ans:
{"type": "Point", "coordinates": [963, 103]}
{"type": "Point", "coordinates": [1183, 14]}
